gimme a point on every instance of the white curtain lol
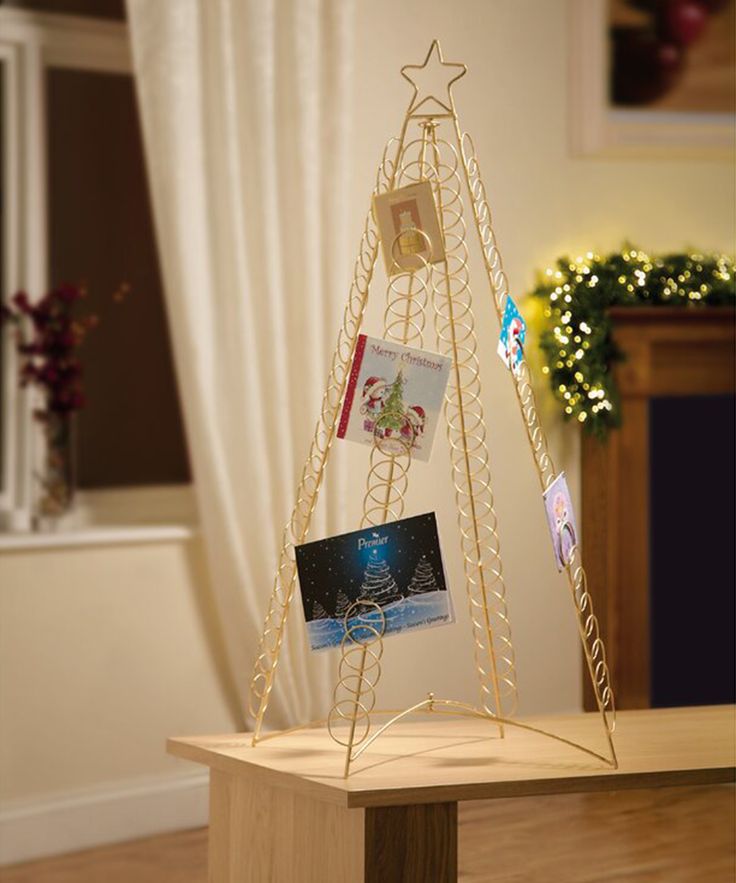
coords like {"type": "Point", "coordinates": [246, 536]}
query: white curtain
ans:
{"type": "Point", "coordinates": [245, 112]}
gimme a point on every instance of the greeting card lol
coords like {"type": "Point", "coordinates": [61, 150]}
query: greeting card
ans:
{"type": "Point", "coordinates": [397, 566]}
{"type": "Point", "coordinates": [560, 520]}
{"type": "Point", "coordinates": [513, 337]}
{"type": "Point", "coordinates": [408, 227]}
{"type": "Point", "coordinates": [395, 393]}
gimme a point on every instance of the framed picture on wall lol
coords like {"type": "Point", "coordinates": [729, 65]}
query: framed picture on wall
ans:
{"type": "Point", "coordinates": [653, 78]}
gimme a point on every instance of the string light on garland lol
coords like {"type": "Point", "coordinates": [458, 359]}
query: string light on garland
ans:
{"type": "Point", "coordinates": [575, 333]}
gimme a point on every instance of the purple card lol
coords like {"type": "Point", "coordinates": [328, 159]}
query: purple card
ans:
{"type": "Point", "coordinates": [561, 520]}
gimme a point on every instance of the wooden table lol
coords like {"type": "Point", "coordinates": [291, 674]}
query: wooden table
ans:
{"type": "Point", "coordinates": [282, 812]}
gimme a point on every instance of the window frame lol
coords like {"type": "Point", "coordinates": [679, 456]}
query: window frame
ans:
{"type": "Point", "coordinates": [30, 44]}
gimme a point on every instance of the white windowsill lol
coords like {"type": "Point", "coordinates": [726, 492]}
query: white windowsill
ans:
{"type": "Point", "coordinates": [97, 536]}
{"type": "Point", "coordinates": [129, 516]}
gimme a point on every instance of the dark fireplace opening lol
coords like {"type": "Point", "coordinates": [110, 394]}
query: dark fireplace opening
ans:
{"type": "Point", "coordinates": [692, 562]}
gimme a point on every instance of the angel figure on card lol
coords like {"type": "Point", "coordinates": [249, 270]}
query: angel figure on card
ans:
{"type": "Point", "coordinates": [560, 520]}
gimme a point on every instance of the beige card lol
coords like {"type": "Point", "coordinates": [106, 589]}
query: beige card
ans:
{"type": "Point", "coordinates": [409, 227]}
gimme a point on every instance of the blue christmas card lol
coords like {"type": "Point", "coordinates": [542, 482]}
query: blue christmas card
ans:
{"type": "Point", "coordinates": [560, 520]}
{"type": "Point", "coordinates": [396, 567]}
{"type": "Point", "coordinates": [513, 337]}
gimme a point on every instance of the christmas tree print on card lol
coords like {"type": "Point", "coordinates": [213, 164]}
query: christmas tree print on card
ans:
{"type": "Point", "coordinates": [394, 394]}
{"type": "Point", "coordinates": [424, 579]}
{"type": "Point", "coordinates": [397, 566]}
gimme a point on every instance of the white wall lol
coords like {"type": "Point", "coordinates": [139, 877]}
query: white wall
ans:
{"type": "Point", "coordinates": [106, 651]}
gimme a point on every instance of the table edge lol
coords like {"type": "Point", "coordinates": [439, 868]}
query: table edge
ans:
{"type": "Point", "coordinates": [364, 798]}
{"type": "Point", "coordinates": [317, 788]}
{"type": "Point", "coordinates": [538, 787]}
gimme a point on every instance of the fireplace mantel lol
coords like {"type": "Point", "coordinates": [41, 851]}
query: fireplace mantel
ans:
{"type": "Point", "coordinates": [668, 352]}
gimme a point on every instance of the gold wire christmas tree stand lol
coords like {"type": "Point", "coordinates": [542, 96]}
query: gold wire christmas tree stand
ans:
{"type": "Point", "coordinates": [448, 163]}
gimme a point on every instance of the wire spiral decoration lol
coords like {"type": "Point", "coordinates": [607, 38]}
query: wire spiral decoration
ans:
{"type": "Point", "coordinates": [590, 635]}
{"type": "Point", "coordinates": [390, 458]}
{"type": "Point", "coordinates": [297, 527]}
{"type": "Point", "coordinates": [403, 321]}
{"type": "Point", "coordinates": [587, 622]}
{"type": "Point", "coordinates": [354, 696]}
{"type": "Point", "coordinates": [500, 288]}
{"type": "Point", "coordinates": [436, 160]}
{"type": "Point", "coordinates": [466, 432]}
{"type": "Point", "coordinates": [387, 481]}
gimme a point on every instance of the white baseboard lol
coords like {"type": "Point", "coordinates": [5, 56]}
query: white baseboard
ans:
{"type": "Point", "coordinates": [112, 813]}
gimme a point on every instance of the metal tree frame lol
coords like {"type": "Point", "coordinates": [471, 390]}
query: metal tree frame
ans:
{"type": "Point", "coordinates": [448, 163]}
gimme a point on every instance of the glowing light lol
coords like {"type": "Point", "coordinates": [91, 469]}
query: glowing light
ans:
{"type": "Point", "coordinates": [575, 340]}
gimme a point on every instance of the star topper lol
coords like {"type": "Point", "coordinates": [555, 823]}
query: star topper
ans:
{"type": "Point", "coordinates": [425, 76]}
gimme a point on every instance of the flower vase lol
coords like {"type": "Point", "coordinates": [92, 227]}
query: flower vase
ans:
{"type": "Point", "coordinates": [58, 476]}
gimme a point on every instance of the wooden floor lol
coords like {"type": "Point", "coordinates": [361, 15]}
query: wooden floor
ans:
{"type": "Point", "coordinates": [667, 835]}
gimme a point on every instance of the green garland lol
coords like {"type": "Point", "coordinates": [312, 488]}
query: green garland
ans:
{"type": "Point", "coordinates": [575, 331]}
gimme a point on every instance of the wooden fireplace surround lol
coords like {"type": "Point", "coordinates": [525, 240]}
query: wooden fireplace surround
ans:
{"type": "Point", "coordinates": [669, 352]}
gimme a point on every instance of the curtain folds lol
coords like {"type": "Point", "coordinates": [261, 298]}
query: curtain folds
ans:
{"type": "Point", "coordinates": [246, 121]}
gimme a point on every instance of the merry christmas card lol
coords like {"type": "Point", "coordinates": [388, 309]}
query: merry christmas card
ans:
{"type": "Point", "coordinates": [397, 566]}
{"type": "Point", "coordinates": [394, 396]}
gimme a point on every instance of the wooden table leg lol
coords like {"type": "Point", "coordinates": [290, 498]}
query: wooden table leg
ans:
{"type": "Point", "coordinates": [411, 844]}
{"type": "Point", "coordinates": [259, 833]}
